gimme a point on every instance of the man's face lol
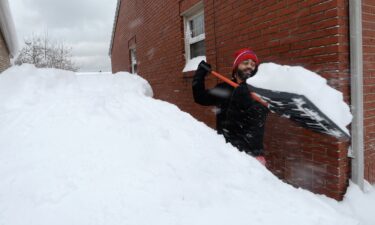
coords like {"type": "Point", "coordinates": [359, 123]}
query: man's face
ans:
{"type": "Point", "coordinates": [245, 70]}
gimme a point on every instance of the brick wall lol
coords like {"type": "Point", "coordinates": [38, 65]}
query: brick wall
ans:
{"type": "Point", "coordinates": [158, 36]}
{"type": "Point", "coordinates": [313, 34]}
{"type": "Point", "coordinates": [4, 55]}
{"type": "Point", "coordinates": [368, 17]}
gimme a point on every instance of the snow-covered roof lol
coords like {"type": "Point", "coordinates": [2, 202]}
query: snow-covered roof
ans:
{"type": "Point", "coordinates": [7, 27]}
{"type": "Point", "coordinates": [114, 26]}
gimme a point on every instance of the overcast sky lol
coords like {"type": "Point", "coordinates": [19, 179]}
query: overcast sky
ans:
{"type": "Point", "coordinates": [85, 25]}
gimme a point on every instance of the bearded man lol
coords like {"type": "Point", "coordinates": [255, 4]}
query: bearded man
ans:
{"type": "Point", "coordinates": [239, 118]}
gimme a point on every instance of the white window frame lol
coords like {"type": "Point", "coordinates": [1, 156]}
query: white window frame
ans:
{"type": "Point", "coordinates": [190, 14]}
{"type": "Point", "coordinates": [133, 56]}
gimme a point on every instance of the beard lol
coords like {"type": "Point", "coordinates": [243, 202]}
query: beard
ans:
{"type": "Point", "coordinates": [245, 74]}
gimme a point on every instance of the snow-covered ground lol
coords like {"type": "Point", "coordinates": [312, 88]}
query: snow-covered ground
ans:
{"type": "Point", "coordinates": [357, 204]}
{"type": "Point", "coordinates": [98, 149]}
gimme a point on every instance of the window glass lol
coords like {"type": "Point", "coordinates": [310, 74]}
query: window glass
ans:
{"type": "Point", "coordinates": [197, 49]}
{"type": "Point", "coordinates": [194, 33]}
{"type": "Point", "coordinates": [133, 60]}
{"type": "Point", "coordinates": [197, 25]}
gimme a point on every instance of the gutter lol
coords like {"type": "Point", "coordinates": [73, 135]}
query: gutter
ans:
{"type": "Point", "coordinates": [114, 26]}
{"type": "Point", "coordinates": [356, 68]}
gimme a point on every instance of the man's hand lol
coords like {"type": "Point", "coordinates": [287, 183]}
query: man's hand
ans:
{"type": "Point", "coordinates": [203, 69]}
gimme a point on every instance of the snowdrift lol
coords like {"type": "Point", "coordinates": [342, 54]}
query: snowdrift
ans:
{"type": "Point", "coordinates": [97, 149]}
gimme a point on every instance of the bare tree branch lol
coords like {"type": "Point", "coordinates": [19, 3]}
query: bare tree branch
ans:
{"type": "Point", "coordinates": [44, 53]}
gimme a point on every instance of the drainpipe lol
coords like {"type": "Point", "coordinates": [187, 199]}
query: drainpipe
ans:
{"type": "Point", "coordinates": [356, 68]}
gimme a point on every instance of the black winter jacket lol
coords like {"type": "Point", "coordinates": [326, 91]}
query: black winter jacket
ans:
{"type": "Point", "coordinates": [239, 118]}
{"type": "Point", "coordinates": [245, 122]}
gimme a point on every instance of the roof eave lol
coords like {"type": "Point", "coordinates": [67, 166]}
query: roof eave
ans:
{"type": "Point", "coordinates": [114, 26]}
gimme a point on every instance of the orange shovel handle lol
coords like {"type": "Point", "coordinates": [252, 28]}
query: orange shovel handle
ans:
{"type": "Point", "coordinates": [234, 84]}
{"type": "Point", "coordinates": [225, 79]}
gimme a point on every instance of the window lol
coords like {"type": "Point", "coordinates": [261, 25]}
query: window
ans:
{"type": "Point", "coordinates": [133, 60]}
{"type": "Point", "coordinates": [194, 32]}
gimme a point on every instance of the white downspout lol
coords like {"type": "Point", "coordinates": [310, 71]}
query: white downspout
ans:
{"type": "Point", "coordinates": [356, 68]}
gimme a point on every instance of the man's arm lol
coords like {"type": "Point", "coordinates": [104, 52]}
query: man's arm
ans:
{"type": "Point", "coordinates": [201, 95]}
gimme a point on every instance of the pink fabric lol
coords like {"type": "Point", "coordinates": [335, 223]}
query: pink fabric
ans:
{"type": "Point", "coordinates": [261, 159]}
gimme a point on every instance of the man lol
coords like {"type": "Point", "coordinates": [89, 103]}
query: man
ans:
{"type": "Point", "coordinates": [239, 118]}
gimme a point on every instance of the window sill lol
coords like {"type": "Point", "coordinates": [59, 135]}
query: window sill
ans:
{"type": "Point", "coordinates": [188, 75]}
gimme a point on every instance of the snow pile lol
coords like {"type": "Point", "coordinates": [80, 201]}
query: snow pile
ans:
{"type": "Point", "coordinates": [357, 203]}
{"type": "Point", "coordinates": [97, 149]}
{"type": "Point", "coordinates": [298, 80]}
{"type": "Point", "coordinates": [93, 73]}
{"type": "Point", "coordinates": [193, 63]}
{"type": "Point", "coordinates": [360, 205]}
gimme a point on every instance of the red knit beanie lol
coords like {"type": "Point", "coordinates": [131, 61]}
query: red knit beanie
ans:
{"type": "Point", "coordinates": [242, 55]}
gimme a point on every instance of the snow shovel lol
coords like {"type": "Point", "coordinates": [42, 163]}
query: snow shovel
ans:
{"type": "Point", "coordinates": [295, 107]}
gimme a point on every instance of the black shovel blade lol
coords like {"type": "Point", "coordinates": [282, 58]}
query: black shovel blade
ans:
{"type": "Point", "coordinates": [301, 110]}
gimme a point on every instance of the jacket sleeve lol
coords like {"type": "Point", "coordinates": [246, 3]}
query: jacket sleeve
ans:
{"type": "Point", "coordinates": [202, 95]}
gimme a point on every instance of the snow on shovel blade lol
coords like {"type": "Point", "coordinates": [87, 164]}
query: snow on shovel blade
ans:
{"type": "Point", "coordinates": [301, 110]}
